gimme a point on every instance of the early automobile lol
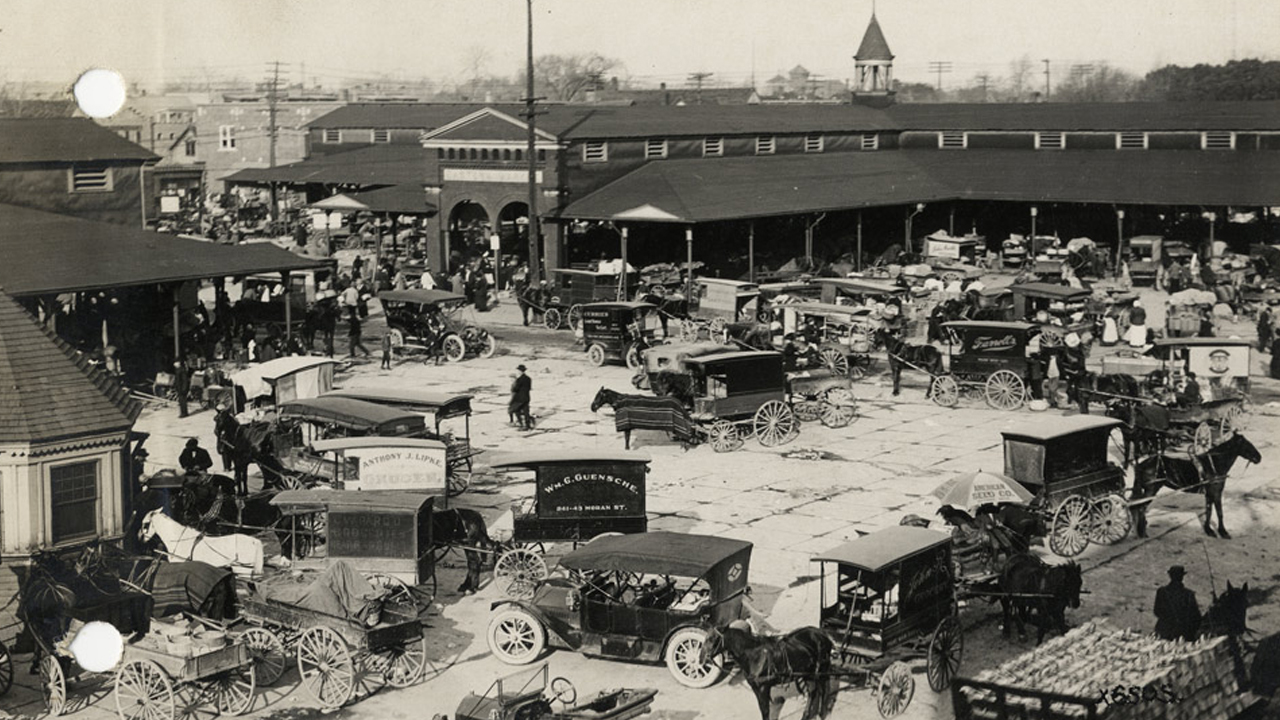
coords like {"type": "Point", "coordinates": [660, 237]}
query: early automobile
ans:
{"type": "Point", "coordinates": [617, 331]}
{"type": "Point", "coordinates": [650, 598]}
{"type": "Point", "coordinates": [527, 695]}
{"type": "Point", "coordinates": [425, 320]}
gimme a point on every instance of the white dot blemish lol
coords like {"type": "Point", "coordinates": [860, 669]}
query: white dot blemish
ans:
{"type": "Point", "coordinates": [100, 93]}
{"type": "Point", "coordinates": [98, 647]}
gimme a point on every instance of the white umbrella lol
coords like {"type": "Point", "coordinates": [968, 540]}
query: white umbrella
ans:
{"type": "Point", "coordinates": [970, 490]}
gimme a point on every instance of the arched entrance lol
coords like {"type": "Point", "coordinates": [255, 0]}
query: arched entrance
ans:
{"type": "Point", "coordinates": [513, 228]}
{"type": "Point", "coordinates": [469, 229]}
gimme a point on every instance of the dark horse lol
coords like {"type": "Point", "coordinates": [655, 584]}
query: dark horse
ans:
{"type": "Point", "coordinates": [802, 656]}
{"type": "Point", "coordinates": [1029, 584]}
{"type": "Point", "coordinates": [245, 445]}
{"type": "Point", "coordinates": [641, 412]}
{"type": "Point", "coordinates": [1205, 473]}
{"type": "Point", "coordinates": [904, 354]}
{"type": "Point", "coordinates": [1227, 615]}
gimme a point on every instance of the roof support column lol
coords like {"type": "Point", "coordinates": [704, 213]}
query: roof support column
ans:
{"type": "Point", "coordinates": [288, 310]}
{"type": "Point", "coordinates": [951, 223]}
{"type": "Point", "coordinates": [622, 274]}
{"type": "Point", "coordinates": [751, 252]}
{"type": "Point", "coordinates": [1034, 211]}
{"type": "Point", "coordinates": [688, 266]}
{"type": "Point", "coordinates": [377, 251]}
{"type": "Point", "coordinates": [1119, 241]}
{"type": "Point", "coordinates": [177, 322]}
{"type": "Point", "coordinates": [857, 259]}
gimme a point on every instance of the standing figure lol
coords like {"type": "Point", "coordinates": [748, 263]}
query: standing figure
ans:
{"type": "Point", "coordinates": [1177, 613]}
{"type": "Point", "coordinates": [1265, 328]}
{"type": "Point", "coordinates": [353, 336]}
{"type": "Point", "coordinates": [386, 351]}
{"type": "Point", "coordinates": [181, 385]}
{"type": "Point", "coordinates": [520, 398]}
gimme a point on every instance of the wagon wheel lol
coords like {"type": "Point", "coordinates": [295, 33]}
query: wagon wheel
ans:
{"type": "Point", "coordinates": [688, 331]}
{"type": "Point", "coordinates": [1005, 390]}
{"type": "Point", "coordinates": [946, 649]}
{"type": "Point", "coordinates": [633, 357]}
{"type": "Point", "coordinates": [518, 571]}
{"type": "Point", "coordinates": [575, 317]}
{"type": "Point", "coordinates": [397, 592]}
{"type": "Point", "coordinates": [944, 391]}
{"type": "Point", "coordinates": [232, 690]}
{"type": "Point", "coordinates": [685, 658]}
{"type": "Point", "coordinates": [895, 690]}
{"type": "Point", "coordinates": [835, 415]}
{"type": "Point", "coordinates": [724, 436]}
{"type": "Point", "coordinates": [6, 669]}
{"type": "Point", "coordinates": [1202, 440]}
{"type": "Point", "coordinates": [143, 692]}
{"type": "Point", "coordinates": [835, 361]}
{"type": "Point", "coordinates": [765, 316]}
{"type": "Point", "coordinates": [328, 673]}
{"type": "Point", "coordinates": [951, 276]}
{"type": "Point", "coordinates": [552, 318]}
{"type": "Point", "coordinates": [717, 327]}
{"type": "Point", "coordinates": [454, 348]}
{"type": "Point", "coordinates": [397, 338]}
{"type": "Point", "coordinates": [1111, 520]}
{"type": "Point", "coordinates": [774, 424]}
{"type": "Point", "coordinates": [267, 653]}
{"type": "Point", "coordinates": [53, 684]}
{"type": "Point", "coordinates": [596, 355]}
{"type": "Point", "coordinates": [807, 410]}
{"type": "Point", "coordinates": [402, 665]}
{"type": "Point", "coordinates": [486, 345]}
{"type": "Point", "coordinates": [1072, 523]}
{"type": "Point", "coordinates": [457, 482]}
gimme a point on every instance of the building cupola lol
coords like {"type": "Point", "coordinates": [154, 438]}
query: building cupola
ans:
{"type": "Point", "coordinates": [873, 66]}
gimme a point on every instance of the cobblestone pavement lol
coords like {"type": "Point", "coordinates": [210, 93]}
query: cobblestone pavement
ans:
{"type": "Point", "coordinates": [876, 470]}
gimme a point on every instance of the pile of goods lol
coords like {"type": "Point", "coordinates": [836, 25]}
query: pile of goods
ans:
{"type": "Point", "coordinates": [183, 638]}
{"type": "Point", "coordinates": [1124, 673]}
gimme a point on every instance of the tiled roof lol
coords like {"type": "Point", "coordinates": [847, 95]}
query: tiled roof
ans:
{"type": "Point", "coordinates": [873, 45]}
{"type": "Point", "coordinates": [31, 140]}
{"type": "Point", "coordinates": [47, 391]}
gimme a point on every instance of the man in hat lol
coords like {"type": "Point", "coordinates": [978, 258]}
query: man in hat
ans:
{"type": "Point", "coordinates": [1177, 613]}
{"type": "Point", "coordinates": [519, 405]}
{"type": "Point", "coordinates": [194, 459]}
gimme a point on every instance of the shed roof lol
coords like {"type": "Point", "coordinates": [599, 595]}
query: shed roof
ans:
{"type": "Point", "coordinates": [65, 140]}
{"type": "Point", "coordinates": [1057, 427]}
{"type": "Point", "coordinates": [991, 325]}
{"type": "Point", "coordinates": [1202, 342]}
{"type": "Point", "coordinates": [1099, 116]}
{"type": "Point", "coordinates": [881, 548]}
{"type": "Point", "coordinates": [47, 390]}
{"type": "Point", "coordinates": [425, 296]}
{"type": "Point", "coordinates": [47, 253]}
{"type": "Point", "coordinates": [408, 199]}
{"type": "Point", "coordinates": [402, 396]}
{"type": "Point", "coordinates": [347, 411]}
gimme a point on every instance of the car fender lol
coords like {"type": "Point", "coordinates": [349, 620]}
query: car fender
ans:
{"type": "Point", "coordinates": [698, 624]}
{"type": "Point", "coordinates": [547, 626]}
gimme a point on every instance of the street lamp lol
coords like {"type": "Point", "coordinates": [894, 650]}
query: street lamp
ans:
{"type": "Point", "coordinates": [1034, 212]}
{"type": "Point", "coordinates": [1119, 241]}
{"type": "Point", "coordinates": [919, 209]}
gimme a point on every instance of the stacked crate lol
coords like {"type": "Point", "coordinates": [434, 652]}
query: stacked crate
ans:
{"type": "Point", "coordinates": [1095, 658]}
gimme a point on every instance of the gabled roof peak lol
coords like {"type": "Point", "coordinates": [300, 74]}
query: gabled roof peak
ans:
{"type": "Point", "coordinates": [874, 46]}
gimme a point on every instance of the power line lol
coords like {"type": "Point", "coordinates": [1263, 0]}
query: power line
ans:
{"type": "Point", "coordinates": [939, 67]}
{"type": "Point", "coordinates": [1046, 78]}
{"type": "Point", "coordinates": [697, 79]}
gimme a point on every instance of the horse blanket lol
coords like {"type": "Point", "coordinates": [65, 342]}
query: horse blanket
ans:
{"type": "Point", "coordinates": [666, 414]}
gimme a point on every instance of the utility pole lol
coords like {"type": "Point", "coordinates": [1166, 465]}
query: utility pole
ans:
{"type": "Point", "coordinates": [1046, 78]}
{"type": "Point", "coordinates": [530, 114]}
{"type": "Point", "coordinates": [939, 67]}
{"type": "Point", "coordinates": [983, 78]}
{"type": "Point", "coordinates": [697, 79]}
{"type": "Point", "coordinates": [273, 96]}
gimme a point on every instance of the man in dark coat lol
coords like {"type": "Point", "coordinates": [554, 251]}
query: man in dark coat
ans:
{"type": "Point", "coordinates": [181, 386]}
{"type": "Point", "coordinates": [194, 459]}
{"type": "Point", "coordinates": [520, 392]}
{"type": "Point", "coordinates": [1264, 328]}
{"type": "Point", "coordinates": [1177, 613]}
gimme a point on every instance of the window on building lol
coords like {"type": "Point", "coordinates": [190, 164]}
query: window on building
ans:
{"type": "Point", "coordinates": [226, 137]}
{"type": "Point", "coordinates": [332, 136]}
{"type": "Point", "coordinates": [813, 144]}
{"type": "Point", "coordinates": [1218, 141]}
{"type": "Point", "coordinates": [73, 491]}
{"type": "Point", "coordinates": [484, 153]}
{"type": "Point", "coordinates": [1131, 141]}
{"type": "Point", "coordinates": [953, 140]}
{"type": "Point", "coordinates": [506, 154]}
{"type": "Point", "coordinates": [1050, 141]}
{"type": "Point", "coordinates": [712, 147]}
{"type": "Point", "coordinates": [542, 155]}
{"type": "Point", "coordinates": [765, 145]}
{"type": "Point", "coordinates": [190, 148]}
{"type": "Point", "coordinates": [90, 179]}
{"type": "Point", "coordinates": [519, 156]}
{"type": "Point", "coordinates": [870, 141]}
{"type": "Point", "coordinates": [382, 136]}
{"type": "Point", "coordinates": [655, 149]}
{"type": "Point", "coordinates": [595, 151]}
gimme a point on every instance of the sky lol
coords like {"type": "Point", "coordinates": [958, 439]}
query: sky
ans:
{"type": "Point", "coordinates": [151, 41]}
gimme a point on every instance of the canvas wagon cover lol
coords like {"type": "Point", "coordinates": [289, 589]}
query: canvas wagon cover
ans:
{"type": "Point", "coordinates": [724, 561]}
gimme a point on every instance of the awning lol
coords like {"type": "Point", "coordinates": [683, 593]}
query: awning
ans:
{"type": "Point", "coordinates": [715, 189]}
{"type": "Point", "coordinates": [397, 199]}
{"type": "Point", "coordinates": [46, 253]}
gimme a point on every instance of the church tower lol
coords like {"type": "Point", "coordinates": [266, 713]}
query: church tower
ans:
{"type": "Point", "coordinates": [873, 67]}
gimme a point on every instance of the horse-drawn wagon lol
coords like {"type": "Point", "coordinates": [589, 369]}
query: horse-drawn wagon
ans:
{"type": "Point", "coordinates": [617, 330]}
{"type": "Point", "coordinates": [716, 303]}
{"type": "Point", "coordinates": [299, 424]}
{"type": "Point", "coordinates": [741, 394]}
{"type": "Point", "coordinates": [652, 597]}
{"type": "Point", "coordinates": [1145, 258]}
{"type": "Point", "coordinates": [578, 495]}
{"type": "Point", "coordinates": [1064, 305]}
{"type": "Point", "coordinates": [986, 356]}
{"type": "Point", "coordinates": [425, 321]}
{"type": "Point", "coordinates": [576, 288]}
{"type": "Point", "coordinates": [280, 380]}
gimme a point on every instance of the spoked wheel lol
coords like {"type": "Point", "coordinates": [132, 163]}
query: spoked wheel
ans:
{"type": "Point", "coordinates": [267, 653]}
{"type": "Point", "coordinates": [596, 355]}
{"type": "Point", "coordinates": [143, 692]}
{"type": "Point", "coordinates": [457, 482]}
{"type": "Point", "coordinates": [774, 424]}
{"type": "Point", "coordinates": [454, 348]}
{"type": "Point", "coordinates": [6, 669]}
{"type": "Point", "coordinates": [1202, 440]}
{"type": "Point", "coordinates": [685, 659]}
{"type": "Point", "coordinates": [552, 319]}
{"type": "Point", "coordinates": [945, 391]}
{"type": "Point", "coordinates": [633, 357]}
{"type": "Point", "coordinates": [836, 415]}
{"type": "Point", "coordinates": [1072, 523]}
{"type": "Point", "coordinates": [575, 317]}
{"type": "Point", "coordinates": [895, 690]}
{"type": "Point", "coordinates": [688, 331]}
{"type": "Point", "coordinates": [397, 592]}
{"type": "Point", "coordinates": [402, 665]}
{"type": "Point", "coordinates": [717, 327]}
{"type": "Point", "coordinates": [53, 685]}
{"type": "Point", "coordinates": [856, 371]}
{"type": "Point", "coordinates": [724, 436]}
{"type": "Point", "coordinates": [1111, 520]}
{"type": "Point", "coordinates": [1005, 390]}
{"type": "Point", "coordinates": [232, 690]}
{"type": "Point", "coordinates": [835, 361]}
{"type": "Point", "coordinates": [807, 410]}
{"type": "Point", "coordinates": [515, 636]}
{"type": "Point", "coordinates": [397, 338]}
{"type": "Point", "coordinates": [946, 649]}
{"type": "Point", "coordinates": [328, 673]}
{"type": "Point", "coordinates": [518, 571]}
{"type": "Point", "coordinates": [487, 345]}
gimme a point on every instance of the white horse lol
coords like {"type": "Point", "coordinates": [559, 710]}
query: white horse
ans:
{"type": "Point", "coordinates": [243, 553]}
